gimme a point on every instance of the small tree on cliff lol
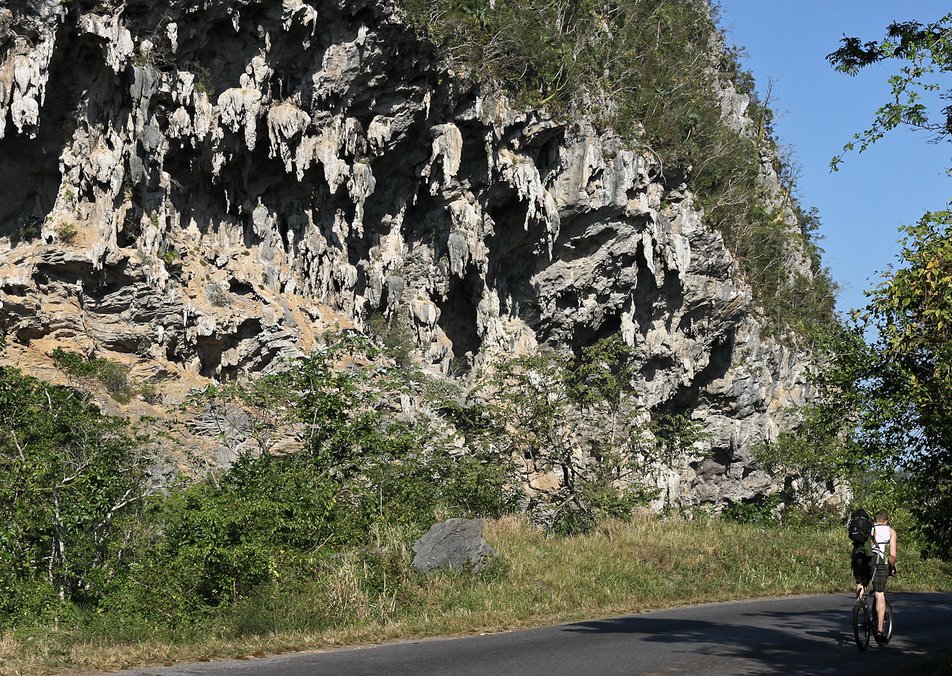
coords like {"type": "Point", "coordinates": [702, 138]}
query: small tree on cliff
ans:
{"type": "Point", "coordinates": [584, 444]}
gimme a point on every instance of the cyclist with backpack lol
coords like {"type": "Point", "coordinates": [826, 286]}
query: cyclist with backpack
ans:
{"type": "Point", "coordinates": [883, 541]}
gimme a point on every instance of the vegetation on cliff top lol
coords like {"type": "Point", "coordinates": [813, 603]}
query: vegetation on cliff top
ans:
{"type": "Point", "coordinates": [654, 72]}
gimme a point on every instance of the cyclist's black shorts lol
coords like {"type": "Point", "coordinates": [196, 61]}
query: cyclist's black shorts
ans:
{"type": "Point", "coordinates": [862, 566]}
{"type": "Point", "coordinates": [880, 576]}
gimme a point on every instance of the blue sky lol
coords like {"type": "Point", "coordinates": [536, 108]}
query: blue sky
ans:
{"type": "Point", "coordinates": [863, 204]}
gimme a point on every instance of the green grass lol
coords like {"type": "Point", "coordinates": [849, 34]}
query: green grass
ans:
{"type": "Point", "coordinates": [372, 595]}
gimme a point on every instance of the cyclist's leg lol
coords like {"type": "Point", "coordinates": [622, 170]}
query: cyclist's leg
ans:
{"type": "Point", "coordinates": [887, 623]}
{"type": "Point", "coordinates": [880, 611]}
{"type": "Point", "coordinates": [862, 571]}
{"type": "Point", "coordinates": [880, 576]}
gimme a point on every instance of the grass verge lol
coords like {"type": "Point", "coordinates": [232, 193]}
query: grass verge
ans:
{"type": "Point", "coordinates": [621, 567]}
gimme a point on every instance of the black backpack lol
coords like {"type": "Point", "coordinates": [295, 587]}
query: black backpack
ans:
{"type": "Point", "coordinates": [860, 527]}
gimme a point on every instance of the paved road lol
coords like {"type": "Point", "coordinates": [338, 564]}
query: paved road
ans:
{"type": "Point", "coordinates": [804, 635]}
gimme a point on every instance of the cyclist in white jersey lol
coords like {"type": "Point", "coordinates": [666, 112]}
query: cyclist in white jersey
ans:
{"type": "Point", "coordinates": [884, 564]}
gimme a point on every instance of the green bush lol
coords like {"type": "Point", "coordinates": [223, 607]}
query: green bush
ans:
{"type": "Point", "coordinates": [541, 408]}
{"type": "Point", "coordinates": [111, 375]}
{"type": "Point", "coordinates": [67, 476]}
{"type": "Point", "coordinates": [759, 512]}
{"type": "Point", "coordinates": [395, 334]}
{"type": "Point", "coordinates": [209, 546]}
{"type": "Point", "coordinates": [66, 232]}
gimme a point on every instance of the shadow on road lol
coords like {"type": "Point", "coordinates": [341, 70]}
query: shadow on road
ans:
{"type": "Point", "coordinates": [786, 640]}
{"type": "Point", "coordinates": [796, 635]}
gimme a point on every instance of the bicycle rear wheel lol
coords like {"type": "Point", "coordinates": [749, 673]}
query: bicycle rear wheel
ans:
{"type": "Point", "coordinates": [861, 622]}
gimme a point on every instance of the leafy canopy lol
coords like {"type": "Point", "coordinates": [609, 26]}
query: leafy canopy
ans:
{"type": "Point", "coordinates": [325, 464]}
{"type": "Point", "coordinates": [908, 404]}
{"type": "Point", "coordinates": [572, 422]}
{"type": "Point", "coordinates": [923, 52]}
{"type": "Point", "coordinates": [896, 393]}
{"type": "Point", "coordinates": [69, 477]}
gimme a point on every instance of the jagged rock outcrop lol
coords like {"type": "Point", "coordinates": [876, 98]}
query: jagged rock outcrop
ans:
{"type": "Point", "coordinates": [202, 187]}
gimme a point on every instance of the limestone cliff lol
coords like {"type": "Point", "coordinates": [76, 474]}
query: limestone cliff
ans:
{"type": "Point", "coordinates": [198, 187]}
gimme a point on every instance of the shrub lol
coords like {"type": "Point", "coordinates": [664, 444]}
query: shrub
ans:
{"type": "Point", "coordinates": [762, 512]}
{"type": "Point", "coordinates": [69, 475]}
{"type": "Point", "coordinates": [217, 296]}
{"type": "Point", "coordinates": [66, 232]}
{"type": "Point", "coordinates": [395, 334]}
{"type": "Point", "coordinates": [540, 412]}
{"type": "Point", "coordinates": [171, 259]}
{"type": "Point", "coordinates": [28, 228]}
{"type": "Point", "coordinates": [111, 375]}
{"type": "Point", "coordinates": [359, 471]}
{"type": "Point", "coordinates": [150, 394]}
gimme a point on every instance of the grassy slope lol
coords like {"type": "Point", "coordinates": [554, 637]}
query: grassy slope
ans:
{"type": "Point", "coordinates": [620, 568]}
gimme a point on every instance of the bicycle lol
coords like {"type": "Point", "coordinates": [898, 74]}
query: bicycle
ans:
{"type": "Point", "coordinates": [865, 620]}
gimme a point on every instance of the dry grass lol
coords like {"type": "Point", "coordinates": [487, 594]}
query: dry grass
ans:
{"type": "Point", "coordinates": [620, 568]}
{"type": "Point", "coordinates": [7, 647]}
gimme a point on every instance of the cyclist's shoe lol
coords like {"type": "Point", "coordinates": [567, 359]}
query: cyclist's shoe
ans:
{"type": "Point", "coordinates": [880, 637]}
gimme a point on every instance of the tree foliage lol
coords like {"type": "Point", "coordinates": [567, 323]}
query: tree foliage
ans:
{"type": "Point", "coordinates": [907, 414]}
{"type": "Point", "coordinates": [576, 430]}
{"type": "Point", "coordinates": [358, 467]}
{"type": "Point", "coordinates": [882, 416]}
{"type": "Point", "coordinates": [822, 446]}
{"type": "Point", "coordinates": [112, 375]}
{"type": "Point", "coordinates": [69, 477]}
{"type": "Point", "coordinates": [86, 527]}
{"type": "Point", "coordinates": [923, 52]}
{"type": "Point", "coordinates": [898, 389]}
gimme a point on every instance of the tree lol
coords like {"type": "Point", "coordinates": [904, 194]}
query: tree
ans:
{"type": "Point", "coordinates": [824, 444]}
{"type": "Point", "coordinates": [901, 391]}
{"type": "Point", "coordinates": [924, 52]}
{"type": "Point", "coordinates": [68, 477]}
{"type": "Point", "coordinates": [585, 447]}
{"type": "Point", "coordinates": [907, 412]}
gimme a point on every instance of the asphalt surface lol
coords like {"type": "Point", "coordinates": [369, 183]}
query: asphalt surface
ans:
{"type": "Point", "coordinates": [801, 635]}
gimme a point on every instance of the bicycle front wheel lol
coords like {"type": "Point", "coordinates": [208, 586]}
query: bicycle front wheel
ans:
{"type": "Point", "coordinates": [861, 622]}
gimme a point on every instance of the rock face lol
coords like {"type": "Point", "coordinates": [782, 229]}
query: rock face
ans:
{"type": "Point", "coordinates": [456, 544]}
{"type": "Point", "coordinates": [199, 187]}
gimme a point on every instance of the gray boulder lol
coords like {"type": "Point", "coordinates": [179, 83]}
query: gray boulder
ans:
{"type": "Point", "coordinates": [456, 544]}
